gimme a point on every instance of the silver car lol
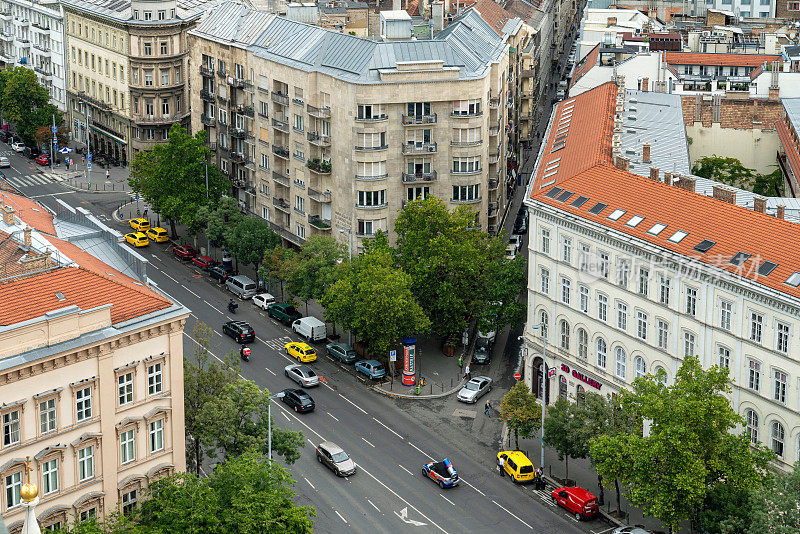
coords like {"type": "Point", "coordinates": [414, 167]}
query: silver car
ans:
{"type": "Point", "coordinates": [475, 389]}
{"type": "Point", "coordinates": [4, 162]}
{"type": "Point", "coordinates": [334, 457]}
{"type": "Point", "coordinates": [302, 374]}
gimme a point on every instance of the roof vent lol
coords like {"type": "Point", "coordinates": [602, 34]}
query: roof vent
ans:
{"type": "Point", "coordinates": [631, 117]}
{"type": "Point", "coordinates": [60, 296]}
{"type": "Point", "coordinates": [633, 100]}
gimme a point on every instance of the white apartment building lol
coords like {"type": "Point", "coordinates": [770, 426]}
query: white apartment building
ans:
{"type": "Point", "coordinates": [32, 35]}
{"type": "Point", "coordinates": [631, 269]}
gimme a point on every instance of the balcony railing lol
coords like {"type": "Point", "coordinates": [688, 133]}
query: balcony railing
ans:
{"type": "Point", "coordinates": [239, 158]}
{"type": "Point", "coordinates": [280, 125]}
{"type": "Point", "coordinates": [318, 196]}
{"type": "Point", "coordinates": [372, 206]}
{"type": "Point", "coordinates": [320, 113]}
{"type": "Point", "coordinates": [223, 102]}
{"type": "Point", "coordinates": [94, 102]}
{"type": "Point", "coordinates": [376, 118]}
{"type": "Point", "coordinates": [207, 95]}
{"type": "Point", "coordinates": [239, 133]}
{"type": "Point", "coordinates": [281, 205]}
{"type": "Point", "coordinates": [317, 222]}
{"type": "Point", "coordinates": [460, 115]}
{"type": "Point", "coordinates": [492, 208]}
{"type": "Point", "coordinates": [207, 71]}
{"type": "Point", "coordinates": [241, 109]}
{"type": "Point", "coordinates": [494, 158]}
{"type": "Point", "coordinates": [492, 183]}
{"type": "Point", "coordinates": [494, 130]}
{"type": "Point", "coordinates": [208, 121]}
{"type": "Point", "coordinates": [280, 178]}
{"type": "Point", "coordinates": [319, 140]}
{"type": "Point", "coordinates": [280, 98]}
{"type": "Point", "coordinates": [319, 166]}
{"type": "Point", "coordinates": [466, 200]}
{"type": "Point", "coordinates": [491, 229]}
{"type": "Point", "coordinates": [238, 83]}
{"type": "Point", "coordinates": [467, 143]}
{"type": "Point", "coordinates": [422, 148]}
{"type": "Point", "coordinates": [281, 151]}
{"type": "Point", "coordinates": [371, 148]}
{"type": "Point", "coordinates": [411, 178]}
{"type": "Point", "coordinates": [42, 49]}
{"type": "Point", "coordinates": [155, 119]}
{"type": "Point", "coordinates": [108, 130]}
{"type": "Point", "coordinates": [212, 145]}
{"type": "Point", "coordinates": [371, 177]}
{"type": "Point", "coordinates": [410, 120]}
{"type": "Point", "coordinates": [494, 103]}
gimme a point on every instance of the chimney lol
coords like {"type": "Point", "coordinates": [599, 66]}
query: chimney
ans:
{"type": "Point", "coordinates": [27, 233]}
{"type": "Point", "coordinates": [724, 194]}
{"type": "Point", "coordinates": [396, 6]}
{"type": "Point", "coordinates": [437, 14]}
{"type": "Point", "coordinates": [781, 211]}
{"type": "Point", "coordinates": [8, 215]}
{"type": "Point", "coordinates": [612, 21]}
{"type": "Point", "coordinates": [654, 174]}
{"type": "Point", "coordinates": [667, 178]}
{"type": "Point", "coordinates": [685, 182]}
{"type": "Point", "coordinates": [645, 84]}
{"type": "Point", "coordinates": [760, 204]}
{"type": "Point", "coordinates": [646, 153]}
{"type": "Point", "coordinates": [622, 163]}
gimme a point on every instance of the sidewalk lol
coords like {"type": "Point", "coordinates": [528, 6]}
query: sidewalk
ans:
{"type": "Point", "coordinates": [96, 180]}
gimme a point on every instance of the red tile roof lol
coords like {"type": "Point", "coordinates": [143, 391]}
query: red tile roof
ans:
{"type": "Point", "coordinates": [586, 64]}
{"type": "Point", "coordinates": [723, 60]}
{"type": "Point", "coordinates": [494, 15]}
{"type": "Point", "coordinates": [790, 146]}
{"type": "Point", "coordinates": [756, 72]}
{"type": "Point", "coordinates": [33, 213]}
{"type": "Point", "coordinates": [412, 7]}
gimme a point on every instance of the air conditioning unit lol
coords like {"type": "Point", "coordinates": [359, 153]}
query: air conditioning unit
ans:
{"type": "Point", "coordinates": [431, 148]}
{"type": "Point", "coordinates": [706, 33]}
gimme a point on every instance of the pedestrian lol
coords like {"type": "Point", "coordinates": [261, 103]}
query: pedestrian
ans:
{"type": "Point", "coordinates": [500, 465]}
{"type": "Point", "coordinates": [461, 361]}
{"type": "Point", "coordinates": [145, 213]}
{"type": "Point", "coordinates": [488, 408]}
{"type": "Point", "coordinates": [108, 174]}
{"type": "Point", "coordinates": [467, 373]}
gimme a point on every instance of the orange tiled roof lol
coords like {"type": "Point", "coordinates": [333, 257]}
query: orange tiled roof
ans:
{"type": "Point", "coordinates": [586, 64]}
{"type": "Point", "coordinates": [412, 7]}
{"type": "Point", "coordinates": [494, 15]}
{"type": "Point", "coordinates": [723, 60]}
{"type": "Point", "coordinates": [756, 72]}
{"type": "Point", "coordinates": [30, 211]}
{"type": "Point", "coordinates": [791, 148]}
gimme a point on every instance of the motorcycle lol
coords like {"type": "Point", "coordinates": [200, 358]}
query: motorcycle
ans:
{"type": "Point", "coordinates": [232, 307]}
{"type": "Point", "coordinates": [245, 353]}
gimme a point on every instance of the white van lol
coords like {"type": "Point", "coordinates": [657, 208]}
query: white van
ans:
{"type": "Point", "coordinates": [310, 328]}
{"type": "Point", "coordinates": [241, 286]}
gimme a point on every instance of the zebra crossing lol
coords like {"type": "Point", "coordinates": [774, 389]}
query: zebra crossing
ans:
{"type": "Point", "coordinates": [277, 344]}
{"type": "Point", "coordinates": [32, 180]}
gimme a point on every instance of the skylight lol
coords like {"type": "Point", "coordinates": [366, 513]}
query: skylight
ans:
{"type": "Point", "coordinates": [553, 192]}
{"type": "Point", "coordinates": [635, 220]}
{"type": "Point", "coordinates": [616, 214]}
{"type": "Point", "coordinates": [656, 229]}
{"type": "Point", "coordinates": [678, 236]}
{"type": "Point", "coordinates": [597, 208]}
{"type": "Point", "coordinates": [564, 196]}
{"type": "Point", "coordinates": [739, 258]}
{"type": "Point", "coordinates": [794, 279]}
{"type": "Point", "coordinates": [766, 268]}
{"type": "Point", "coordinates": [704, 245]}
{"type": "Point", "coordinates": [580, 201]}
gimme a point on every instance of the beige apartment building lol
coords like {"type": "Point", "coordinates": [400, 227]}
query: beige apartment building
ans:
{"type": "Point", "coordinates": [328, 133]}
{"type": "Point", "coordinates": [126, 71]}
{"type": "Point", "coordinates": [91, 367]}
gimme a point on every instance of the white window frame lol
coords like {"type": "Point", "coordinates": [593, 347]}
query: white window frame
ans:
{"type": "Point", "coordinates": [725, 314]}
{"type": "Point", "coordinates": [156, 435]}
{"type": "Point", "coordinates": [639, 367]}
{"type": "Point", "coordinates": [756, 327]}
{"type": "Point", "coordinates": [691, 301]}
{"type": "Point", "coordinates": [783, 336]}
{"type": "Point", "coordinates": [544, 244]}
{"type": "Point", "coordinates": [602, 307]}
{"type": "Point", "coordinates": [155, 378]}
{"type": "Point", "coordinates": [544, 280]}
{"type": "Point", "coordinates": [620, 363]}
{"type": "Point", "coordinates": [48, 416]}
{"type": "Point", "coordinates": [724, 357]}
{"type": "Point", "coordinates": [566, 249]}
{"type": "Point", "coordinates": [83, 404]}
{"type": "Point", "coordinates": [584, 298]}
{"type": "Point", "coordinates": [86, 463]}
{"type": "Point", "coordinates": [601, 351]}
{"type": "Point", "coordinates": [566, 290]}
{"type": "Point", "coordinates": [50, 476]}
{"type": "Point", "coordinates": [689, 343]}
{"type": "Point", "coordinates": [125, 388]}
{"type": "Point", "coordinates": [622, 316]}
{"type": "Point", "coordinates": [753, 374]}
{"type": "Point", "coordinates": [780, 385]}
{"type": "Point", "coordinates": [641, 324]}
{"type": "Point", "coordinates": [127, 446]}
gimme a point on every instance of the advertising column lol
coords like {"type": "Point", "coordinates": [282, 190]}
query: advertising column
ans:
{"type": "Point", "coordinates": [409, 361]}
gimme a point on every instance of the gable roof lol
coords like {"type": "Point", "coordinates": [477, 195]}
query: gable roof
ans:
{"type": "Point", "coordinates": [722, 60]}
{"type": "Point", "coordinates": [586, 64]}
{"type": "Point", "coordinates": [494, 15]}
{"type": "Point", "coordinates": [34, 214]}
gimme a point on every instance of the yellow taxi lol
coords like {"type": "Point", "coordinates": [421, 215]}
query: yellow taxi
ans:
{"type": "Point", "coordinates": [137, 239]}
{"type": "Point", "coordinates": [301, 351]}
{"type": "Point", "coordinates": [140, 225]}
{"type": "Point", "coordinates": [517, 466]}
{"type": "Point", "coordinates": [158, 234]}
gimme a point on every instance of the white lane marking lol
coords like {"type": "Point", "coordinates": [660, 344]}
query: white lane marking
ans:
{"type": "Point", "coordinates": [367, 442]}
{"type": "Point", "coordinates": [353, 403]}
{"type": "Point", "coordinates": [287, 418]}
{"type": "Point", "coordinates": [387, 428]}
{"type": "Point", "coordinates": [406, 470]}
{"type": "Point", "coordinates": [420, 450]}
{"type": "Point", "coordinates": [190, 291]}
{"type": "Point", "coordinates": [333, 416]}
{"type": "Point", "coordinates": [271, 371]}
{"type": "Point", "coordinates": [511, 514]}
{"type": "Point", "coordinates": [168, 276]}
{"type": "Point", "coordinates": [220, 335]}
{"type": "Point", "coordinates": [156, 257]}
{"type": "Point", "coordinates": [342, 518]}
{"type": "Point", "coordinates": [373, 505]}
{"type": "Point", "coordinates": [212, 307]}
{"type": "Point", "coordinates": [471, 486]}
{"type": "Point", "coordinates": [327, 386]}
{"type": "Point", "coordinates": [310, 484]}
{"type": "Point", "coordinates": [307, 439]}
{"type": "Point", "coordinates": [55, 194]}
{"type": "Point", "coordinates": [448, 500]}
{"type": "Point", "coordinates": [601, 531]}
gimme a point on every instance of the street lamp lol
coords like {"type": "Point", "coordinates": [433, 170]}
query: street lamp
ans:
{"type": "Point", "coordinates": [269, 419]}
{"type": "Point", "coordinates": [349, 232]}
{"type": "Point", "coordinates": [543, 327]}
{"type": "Point", "coordinates": [88, 113]}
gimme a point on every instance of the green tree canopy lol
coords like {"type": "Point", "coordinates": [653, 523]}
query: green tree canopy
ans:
{"type": "Point", "coordinates": [567, 429]}
{"type": "Point", "coordinates": [250, 238]}
{"type": "Point", "coordinates": [219, 219]}
{"type": "Point", "coordinates": [519, 411]}
{"type": "Point", "coordinates": [24, 102]}
{"type": "Point", "coordinates": [314, 269]}
{"type": "Point", "coordinates": [775, 507]}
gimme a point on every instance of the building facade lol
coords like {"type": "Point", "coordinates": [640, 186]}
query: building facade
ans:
{"type": "Point", "coordinates": [91, 368]}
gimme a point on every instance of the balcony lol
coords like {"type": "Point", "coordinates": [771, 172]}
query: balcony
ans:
{"type": "Point", "coordinates": [157, 119]}
{"type": "Point", "coordinates": [281, 205]}
{"type": "Point", "coordinates": [493, 183]}
{"type": "Point", "coordinates": [318, 196]}
{"type": "Point", "coordinates": [492, 209]}
{"type": "Point", "coordinates": [413, 120]}
{"type": "Point", "coordinates": [48, 76]}
{"type": "Point", "coordinates": [280, 125]}
{"type": "Point", "coordinates": [320, 113]}
{"type": "Point", "coordinates": [6, 15]}
{"type": "Point", "coordinates": [242, 109]}
{"type": "Point", "coordinates": [494, 103]}
{"type": "Point", "coordinates": [491, 229]}
{"type": "Point", "coordinates": [280, 178]}
{"type": "Point", "coordinates": [375, 118]}
{"type": "Point", "coordinates": [419, 148]}
{"type": "Point", "coordinates": [221, 73]}
{"type": "Point", "coordinates": [238, 83]}
{"type": "Point", "coordinates": [280, 98]}
{"type": "Point", "coordinates": [208, 121]}
{"type": "Point", "coordinates": [223, 102]}
{"type": "Point", "coordinates": [371, 177]}
{"type": "Point", "coordinates": [281, 151]}
{"type": "Point", "coordinates": [319, 140]}
{"type": "Point", "coordinates": [319, 166]}
{"type": "Point", "coordinates": [298, 102]}
{"type": "Point", "coordinates": [41, 30]}
{"type": "Point", "coordinates": [418, 177]}
{"type": "Point", "coordinates": [372, 206]}
{"type": "Point", "coordinates": [466, 200]}
{"type": "Point", "coordinates": [103, 128]}
{"type": "Point", "coordinates": [82, 96]}
{"type": "Point", "coordinates": [319, 223]}
{"type": "Point", "coordinates": [371, 148]}
{"type": "Point", "coordinates": [206, 95]}
{"type": "Point", "coordinates": [494, 130]}
{"type": "Point", "coordinates": [494, 158]}
{"type": "Point", "coordinates": [466, 143]}
{"type": "Point", "coordinates": [212, 145]}
{"type": "Point", "coordinates": [239, 158]}
{"type": "Point", "coordinates": [239, 133]}
{"type": "Point", "coordinates": [43, 50]}
{"type": "Point", "coordinates": [206, 71]}
{"type": "Point", "coordinates": [460, 115]}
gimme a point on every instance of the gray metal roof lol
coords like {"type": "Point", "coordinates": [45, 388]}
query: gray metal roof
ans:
{"type": "Point", "coordinates": [792, 108]}
{"type": "Point", "coordinates": [233, 23]}
{"type": "Point", "coordinates": [121, 9]}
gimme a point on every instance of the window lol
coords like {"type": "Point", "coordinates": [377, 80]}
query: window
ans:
{"type": "Point", "coordinates": [164, 77]}
{"type": "Point", "coordinates": [566, 249]}
{"type": "Point", "coordinates": [298, 125]}
{"type": "Point", "coordinates": [148, 77]}
{"type": "Point", "coordinates": [622, 315]}
{"type": "Point", "coordinates": [601, 352]}
{"type": "Point", "coordinates": [623, 272]}
{"type": "Point", "coordinates": [129, 502]}
{"type": "Point", "coordinates": [584, 298]}
{"type": "Point", "coordinates": [467, 107]}
{"type": "Point", "coordinates": [639, 367]}
{"type": "Point", "coordinates": [756, 326]}
{"type": "Point", "coordinates": [157, 435]}
{"type": "Point", "coordinates": [148, 48]}
{"type": "Point", "coordinates": [300, 231]}
{"type": "Point", "coordinates": [724, 354]}
{"type": "Point", "coordinates": [544, 281]}
{"type": "Point", "coordinates": [663, 295]}
{"type": "Point", "coordinates": [466, 136]}
{"type": "Point", "coordinates": [83, 404]}
{"type": "Point", "coordinates": [177, 75]}
{"type": "Point", "coordinates": [641, 324]}
{"type": "Point", "coordinates": [754, 380]}
{"type": "Point", "coordinates": [466, 192]}
{"type": "Point", "coordinates": [751, 427]}
{"type": "Point", "coordinates": [545, 240]}
{"type": "Point", "coordinates": [583, 344]}
{"type": "Point", "coordinates": [782, 338]}
{"type": "Point", "coordinates": [602, 307]}
{"type": "Point", "coordinates": [779, 386]}
{"type": "Point", "coordinates": [154, 379]}
{"type": "Point", "coordinates": [125, 382]}
{"type": "Point", "coordinates": [13, 487]}
{"type": "Point", "coordinates": [11, 428]}
{"type": "Point", "coordinates": [148, 15]}
{"type": "Point", "coordinates": [165, 108]}
{"type": "Point", "coordinates": [778, 435]}
{"type": "Point", "coordinates": [164, 48]}
{"type": "Point", "coordinates": [725, 314]}
{"type": "Point", "coordinates": [604, 264]}
{"type": "Point", "coordinates": [583, 257]}
{"type": "Point", "coordinates": [162, 15]}
{"type": "Point", "coordinates": [85, 463]}
{"type": "Point", "coordinates": [263, 109]}
{"type": "Point", "coordinates": [620, 362]}
{"type": "Point", "coordinates": [564, 329]}
{"type": "Point", "coordinates": [691, 301]}
{"type": "Point", "coordinates": [50, 477]}
{"type": "Point", "coordinates": [566, 289]}
{"type": "Point", "coordinates": [372, 198]}
{"type": "Point", "coordinates": [368, 227]}
{"type": "Point", "coordinates": [644, 281]}
{"type": "Point", "coordinates": [370, 112]}
{"type": "Point", "coordinates": [299, 203]}
{"type": "Point", "coordinates": [688, 344]}
{"type": "Point", "coordinates": [467, 165]}
{"type": "Point", "coordinates": [47, 416]}
{"type": "Point", "coordinates": [127, 446]}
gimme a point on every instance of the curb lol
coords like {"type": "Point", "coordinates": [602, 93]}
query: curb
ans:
{"type": "Point", "coordinates": [614, 522]}
{"type": "Point", "coordinates": [412, 396]}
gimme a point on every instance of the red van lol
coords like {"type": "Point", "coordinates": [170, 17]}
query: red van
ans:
{"type": "Point", "coordinates": [577, 501]}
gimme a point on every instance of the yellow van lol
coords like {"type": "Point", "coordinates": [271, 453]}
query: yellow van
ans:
{"type": "Point", "coordinates": [517, 466]}
{"type": "Point", "coordinates": [158, 234]}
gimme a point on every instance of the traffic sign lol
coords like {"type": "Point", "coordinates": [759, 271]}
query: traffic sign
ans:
{"type": "Point", "coordinates": [517, 376]}
{"type": "Point", "coordinates": [89, 165]}
{"type": "Point", "coordinates": [392, 355]}
{"type": "Point", "coordinates": [55, 130]}
{"type": "Point", "coordinates": [89, 158]}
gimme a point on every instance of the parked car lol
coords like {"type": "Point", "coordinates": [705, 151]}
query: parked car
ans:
{"type": "Point", "coordinates": [204, 262]}
{"type": "Point", "coordinates": [298, 399]}
{"type": "Point", "coordinates": [371, 368]}
{"type": "Point", "coordinates": [630, 530]}
{"type": "Point", "coordinates": [334, 457]}
{"type": "Point", "coordinates": [43, 159]}
{"type": "Point", "coordinates": [302, 374]}
{"type": "Point", "coordinates": [31, 152]}
{"type": "Point", "coordinates": [17, 146]}
{"type": "Point", "coordinates": [301, 351]}
{"type": "Point", "coordinates": [516, 241]}
{"type": "Point", "coordinates": [521, 222]}
{"type": "Point", "coordinates": [137, 239]}
{"type": "Point", "coordinates": [577, 501]}
{"type": "Point", "coordinates": [139, 224]}
{"type": "Point", "coordinates": [310, 328]}
{"type": "Point", "coordinates": [483, 350]}
{"type": "Point", "coordinates": [443, 473]}
{"type": "Point", "coordinates": [4, 162]}
{"type": "Point", "coordinates": [218, 273]}
{"type": "Point", "coordinates": [283, 312]}
{"type": "Point", "coordinates": [511, 252]}
{"type": "Point", "coordinates": [342, 352]}
{"type": "Point", "coordinates": [240, 331]}
{"type": "Point", "coordinates": [184, 252]}
{"type": "Point", "coordinates": [476, 388]}
{"type": "Point", "coordinates": [241, 286]}
{"type": "Point", "coordinates": [263, 300]}
{"type": "Point", "coordinates": [517, 466]}
{"type": "Point", "coordinates": [4, 135]}
{"type": "Point", "coordinates": [158, 234]}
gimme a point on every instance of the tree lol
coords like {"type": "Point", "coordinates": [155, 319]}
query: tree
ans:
{"type": "Point", "coordinates": [219, 219]}
{"type": "Point", "coordinates": [725, 510]}
{"type": "Point", "coordinates": [273, 265]}
{"type": "Point", "coordinates": [565, 429]}
{"type": "Point", "coordinates": [44, 135]}
{"type": "Point", "coordinates": [690, 449]}
{"type": "Point", "coordinates": [26, 103]}
{"type": "Point", "coordinates": [250, 238]}
{"type": "Point", "coordinates": [171, 177]}
{"type": "Point", "coordinates": [519, 411]}
{"type": "Point", "coordinates": [372, 298]}
{"type": "Point", "coordinates": [314, 269]}
{"type": "Point", "coordinates": [775, 505]}
{"type": "Point", "coordinates": [726, 170]}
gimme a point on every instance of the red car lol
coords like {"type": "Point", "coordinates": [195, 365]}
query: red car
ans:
{"type": "Point", "coordinates": [43, 159]}
{"type": "Point", "coordinates": [577, 501]}
{"type": "Point", "coordinates": [184, 252]}
{"type": "Point", "coordinates": [204, 262]}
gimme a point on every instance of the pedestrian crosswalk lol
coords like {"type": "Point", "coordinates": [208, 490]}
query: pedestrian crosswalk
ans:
{"type": "Point", "coordinates": [32, 180]}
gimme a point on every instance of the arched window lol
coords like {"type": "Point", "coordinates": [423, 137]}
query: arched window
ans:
{"type": "Point", "coordinates": [543, 320]}
{"type": "Point", "coordinates": [562, 387]}
{"type": "Point", "coordinates": [581, 395]}
{"type": "Point", "coordinates": [583, 344]}
{"type": "Point", "coordinates": [620, 362]}
{"type": "Point", "coordinates": [601, 352]}
{"type": "Point", "coordinates": [661, 374]}
{"type": "Point", "coordinates": [564, 328]}
{"type": "Point", "coordinates": [751, 418]}
{"type": "Point", "coordinates": [778, 435]}
{"type": "Point", "coordinates": [639, 366]}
